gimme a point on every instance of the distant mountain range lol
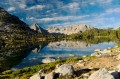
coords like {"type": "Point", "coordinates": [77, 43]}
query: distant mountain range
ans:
{"type": "Point", "coordinates": [69, 29]}
{"type": "Point", "coordinates": [63, 31]}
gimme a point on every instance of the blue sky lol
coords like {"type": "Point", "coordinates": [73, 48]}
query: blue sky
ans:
{"type": "Point", "coordinates": [47, 13]}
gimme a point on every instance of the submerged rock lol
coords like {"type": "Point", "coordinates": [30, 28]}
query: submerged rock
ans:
{"type": "Point", "coordinates": [65, 69]}
{"type": "Point", "coordinates": [48, 60]}
{"type": "Point", "coordinates": [101, 74]}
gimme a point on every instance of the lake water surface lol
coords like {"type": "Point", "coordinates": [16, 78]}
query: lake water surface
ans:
{"type": "Point", "coordinates": [60, 49]}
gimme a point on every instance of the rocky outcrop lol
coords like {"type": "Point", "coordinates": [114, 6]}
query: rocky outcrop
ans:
{"type": "Point", "coordinates": [99, 52]}
{"type": "Point", "coordinates": [38, 29]}
{"type": "Point", "coordinates": [69, 29]}
{"type": "Point", "coordinates": [65, 69]}
{"type": "Point", "coordinates": [11, 27]}
{"type": "Point", "coordinates": [48, 60]}
{"type": "Point", "coordinates": [11, 23]}
{"type": "Point", "coordinates": [101, 74]}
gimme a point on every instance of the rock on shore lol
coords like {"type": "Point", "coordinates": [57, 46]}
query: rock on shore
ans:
{"type": "Point", "coordinates": [65, 69]}
{"type": "Point", "coordinates": [101, 74]}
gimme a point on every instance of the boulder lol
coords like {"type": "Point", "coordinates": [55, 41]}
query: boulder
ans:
{"type": "Point", "coordinates": [58, 65]}
{"type": "Point", "coordinates": [106, 51]}
{"type": "Point", "coordinates": [98, 54]}
{"type": "Point", "coordinates": [101, 74]}
{"type": "Point", "coordinates": [118, 68]}
{"type": "Point", "coordinates": [115, 74]}
{"type": "Point", "coordinates": [50, 75]}
{"type": "Point", "coordinates": [36, 76]}
{"type": "Point", "coordinates": [65, 69]}
{"type": "Point", "coordinates": [97, 50]}
{"type": "Point", "coordinates": [81, 63]}
{"type": "Point", "coordinates": [48, 60]}
{"type": "Point", "coordinates": [118, 57]}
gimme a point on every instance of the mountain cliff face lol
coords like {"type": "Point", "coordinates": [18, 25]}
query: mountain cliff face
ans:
{"type": "Point", "coordinates": [69, 29]}
{"type": "Point", "coordinates": [11, 23]}
{"type": "Point", "coordinates": [38, 29]}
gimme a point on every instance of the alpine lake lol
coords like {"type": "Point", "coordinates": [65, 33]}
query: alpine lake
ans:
{"type": "Point", "coordinates": [20, 55]}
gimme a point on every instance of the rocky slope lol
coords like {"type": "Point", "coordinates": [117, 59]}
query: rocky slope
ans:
{"type": "Point", "coordinates": [69, 29]}
{"type": "Point", "coordinates": [11, 23]}
{"type": "Point", "coordinates": [38, 29]}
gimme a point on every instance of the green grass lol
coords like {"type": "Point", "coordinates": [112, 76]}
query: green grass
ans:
{"type": "Point", "coordinates": [89, 58]}
{"type": "Point", "coordinates": [29, 71]}
{"type": "Point", "coordinates": [25, 73]}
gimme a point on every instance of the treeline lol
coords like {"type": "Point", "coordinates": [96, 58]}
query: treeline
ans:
{"type": "Point", "coordinates": [96, 33]}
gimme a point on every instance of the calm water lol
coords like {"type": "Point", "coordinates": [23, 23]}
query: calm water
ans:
{"type": "Point", "coordinates": [24, 55]}
{"type": "Point", "coordinates": [61, 49]}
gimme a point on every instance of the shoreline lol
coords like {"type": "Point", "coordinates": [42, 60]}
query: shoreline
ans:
{"type": "Point", "coordinates": [87, 64]}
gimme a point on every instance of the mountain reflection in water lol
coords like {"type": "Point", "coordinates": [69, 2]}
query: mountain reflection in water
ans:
{"type": "Point", "coordinates": [13, 54]}
{"type": "Point", "coordinates": [60, 49]}
{"type": "Point", "coordinates": [68, 44]}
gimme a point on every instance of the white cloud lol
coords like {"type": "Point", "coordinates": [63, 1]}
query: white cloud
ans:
{"type": "Point", "coordinates": [71, 7]}
{"type": "Point", "coordinates": [94, 2]}
{"type": "Point", "coordinates": [62, 18]}
{"type": "Point", "coordinates": [71, 23]}
{"type": "Point", "coordinates": [11, 9]}
{"type": "Point", "coordinates": [113, 10]}
{"type": "Point", "coordinates": [104, 1]}
{"type": "Point", "coordinates": [36, 7]}
{"type": "Point", "coordinates": [59, 18]}
{"type": "Point", "coordinates": [22, 5]}
{"type": "Point", "coordinates": [30, 18]}
{"type": "Point", "coordinates": [99, 1]}
{"type": "Point", "coordinates": [109, 11]}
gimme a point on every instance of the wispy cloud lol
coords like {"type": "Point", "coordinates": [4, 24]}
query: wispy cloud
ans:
{"type": "Point", "coordinates": [113, 10]}
{"type": "Point", "coordinates": [58, 18]}
{"type": "Point", "coordinates": [36, 7]}
{"type": "Point", "coordinates": [71, 7]}
{"type": "Point", "coordinates": [22, 6]}
{"type": "Point", "coordinates": [104, 1]}
{"type": "Point", "coordinates": [65, 12]}
{"type": "Point", "coordinates": [11, 9]}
